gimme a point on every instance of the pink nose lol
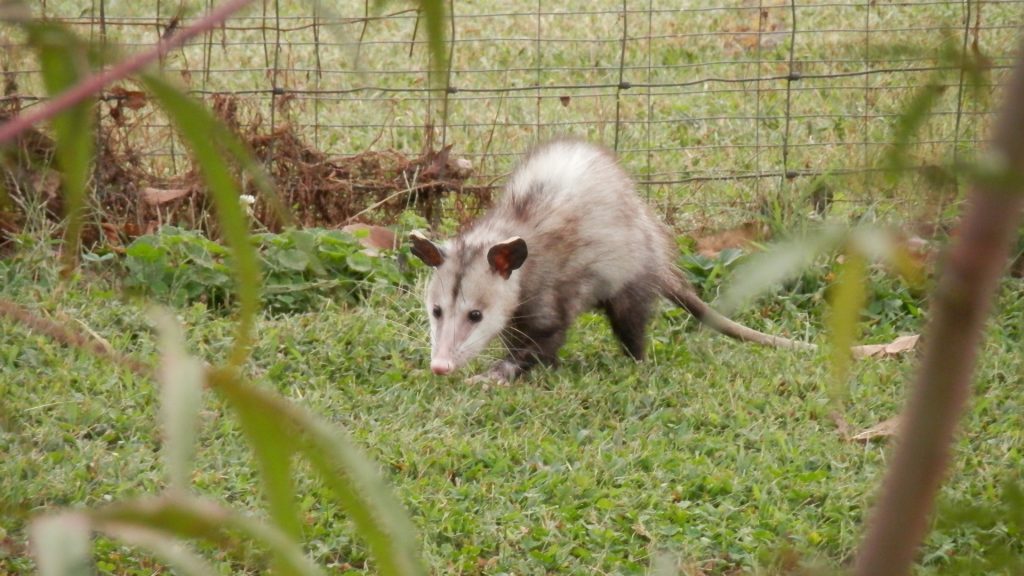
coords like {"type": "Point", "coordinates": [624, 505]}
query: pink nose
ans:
{"type": "Point", "coordinates": [441, 367]}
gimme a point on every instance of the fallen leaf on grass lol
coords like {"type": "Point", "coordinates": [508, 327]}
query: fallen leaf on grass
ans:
{"type": "Point", "coordinates": [113, 236]}
{"type": "Point", "coordinates": [897, 346]}
{"type": "Point", "coordinates": [884, 429]}
{"type": "Point", "coordinates": [156, 196]}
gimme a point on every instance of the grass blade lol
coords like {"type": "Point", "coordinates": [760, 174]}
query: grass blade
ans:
{"type": "Point", "coordinates": [351, 476]}
{"type": "Point", "coordinates": [241, 154]}
{"type": "Point", "coordinates": [766, 270]}
{"type": "Point", "coordinates": [168, 550]}
{"type": "Point", "coordinates": [434, 18]}
{"type": "Point", "coordinates": [187, 517]}
{"type": "Point", "coordinates": [848, 297]}
{"type": "Point", "coordinates": [63, 63]}
{"type": "Point", "coordinates": [181, 390]}
{"type": "Point", "coordinates": [882, 246]}
{"type": "Point", "coordinates": [273, 447]}
{"type": "Point", "coordinates": [914, 115]}
{"type": "Point", "coordinates": [251, 166]}
{"type": "Point", "coordinates": [62, 545]}
{"type": "Point", "coordinates": [197, 126]}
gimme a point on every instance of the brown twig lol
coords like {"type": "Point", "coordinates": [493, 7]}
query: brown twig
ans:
{"type": "Point", "coordinates": [95, 82]}
{"type": "Point", "coordinates": [960, 304]}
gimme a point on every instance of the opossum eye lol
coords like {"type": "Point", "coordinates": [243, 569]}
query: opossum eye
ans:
{"type": "Point", "coordinates": [475, 315]}
{"type": "Point", "coordinates": [437, 311]}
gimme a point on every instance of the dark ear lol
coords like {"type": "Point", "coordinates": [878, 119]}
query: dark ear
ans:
{"type": "Point", "coordinates": [507, 256]}
{"type": "Point", "coordinates": [426, 250]}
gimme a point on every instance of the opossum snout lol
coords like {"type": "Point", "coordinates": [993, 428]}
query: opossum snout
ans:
{"type": "Point", "coordinates": [442, 367]}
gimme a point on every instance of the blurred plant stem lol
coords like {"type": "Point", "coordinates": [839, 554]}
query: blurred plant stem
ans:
{"type": "Point", "coordinates": [963, 296]}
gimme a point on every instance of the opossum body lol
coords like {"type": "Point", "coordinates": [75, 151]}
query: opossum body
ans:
{"type": "Point", "coordinates": [569, 234]}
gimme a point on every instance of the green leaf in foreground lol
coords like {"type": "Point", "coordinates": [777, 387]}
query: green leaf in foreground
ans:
{"type": "Point", "coordinates": [434, 18]}
{"type": "Point", "coordinates": [198, 127]}
{"type": "Point", "coordinates": [181, 389]}
{"type": "Point", "coordinates": [165, 548]}
{"type": "Point", "coordinates": [62, 61]}
{"type": "Point", "coordinates": [914, 115]}
{"type": "Point", "coordinates": [766, 270]}
{"type": "Point", "coordinates": [61, 545]}
{"type": "Point", "coordinates": [848, 297]}
{"type": "Point", "coordinates": [272, 446]}
{"type": "Point", "coordinates": [663, 565]}
{"type": "Point", "coordinates": [350, 475]}
{"type": "Point", "coordinates": [191, 518]}
{"type": "Point", "coordinates": [882, 246]}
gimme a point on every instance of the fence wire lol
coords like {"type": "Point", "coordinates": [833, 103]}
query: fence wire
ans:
{"type": "Point", "coordinates": [716, 107]}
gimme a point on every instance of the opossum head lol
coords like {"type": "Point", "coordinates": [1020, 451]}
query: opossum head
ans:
{"type": "Point", "coordinates": [471, 296]}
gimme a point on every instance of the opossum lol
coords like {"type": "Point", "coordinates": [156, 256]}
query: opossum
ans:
{"type": "Point", "coordinates": [569, 234]}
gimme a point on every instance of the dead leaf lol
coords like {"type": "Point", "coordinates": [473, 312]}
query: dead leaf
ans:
{"type": "Point", "coordinates": [113, 236]}
{"type": "Point", "coordinates": [134, 99]}
{"type": "Point", "coordinates": [894, 348]}
{"type": "Point", "coordinates": [884, 429]}
{"type": "Point", "coordinates": [377, 237]}
{"type": "Point", "coordinates": [640, 530]}
{"type": "Point", "coordinates": [158, 197]}
{"type": "Point", "coordinates": [132, 230]}
{"type": "Point", "coordinates": [711, 244]}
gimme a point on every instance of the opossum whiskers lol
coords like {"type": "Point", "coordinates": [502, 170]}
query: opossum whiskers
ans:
{"type": "Point", "coordinates": [519, 333]}
{"type": "Point", "coordinates": [405, 320]}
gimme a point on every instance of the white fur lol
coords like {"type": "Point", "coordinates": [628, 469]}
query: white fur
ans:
{"type": "Point", "coordinates": [588, 235]}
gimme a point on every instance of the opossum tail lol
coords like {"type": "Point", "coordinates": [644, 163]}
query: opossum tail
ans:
{"type": "Point", "coordinates": [679, 291]}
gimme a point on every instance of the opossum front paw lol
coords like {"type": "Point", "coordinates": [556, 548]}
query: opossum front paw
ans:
{"type": "Point", "coordinates": [501, 374]}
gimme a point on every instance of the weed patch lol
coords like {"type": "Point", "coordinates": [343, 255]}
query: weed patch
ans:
{"type": "Point", "coordinates": [302, 268]}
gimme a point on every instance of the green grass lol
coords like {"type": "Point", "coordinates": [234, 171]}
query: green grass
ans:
{"type": "Point", "coordinates": [720, 453]}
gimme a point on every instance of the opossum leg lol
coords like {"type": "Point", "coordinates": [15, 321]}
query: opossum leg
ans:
{"type": "Point", "coordinates": [502, 372]}
{"type": "Point", "coordinates": [628, 312]}
{"type": "Point", "coordinates": [528, 346]}
{"type": "Point", "coordinates": [539, 346]}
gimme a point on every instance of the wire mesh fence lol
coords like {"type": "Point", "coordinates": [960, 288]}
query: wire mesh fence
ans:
{"type": "Point", "coordinates": [718, 107]}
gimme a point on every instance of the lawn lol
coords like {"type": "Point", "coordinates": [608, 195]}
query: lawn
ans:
{"type": "Point", "coordinates": [720, 454]}
{"type": "Point", "coordinates": [715, 456]}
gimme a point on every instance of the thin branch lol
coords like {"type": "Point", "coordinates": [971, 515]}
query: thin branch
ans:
{"type": "Point", "coordinates": [95, 82]}
{"type": "Point", "coordinates": [963, 297]}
